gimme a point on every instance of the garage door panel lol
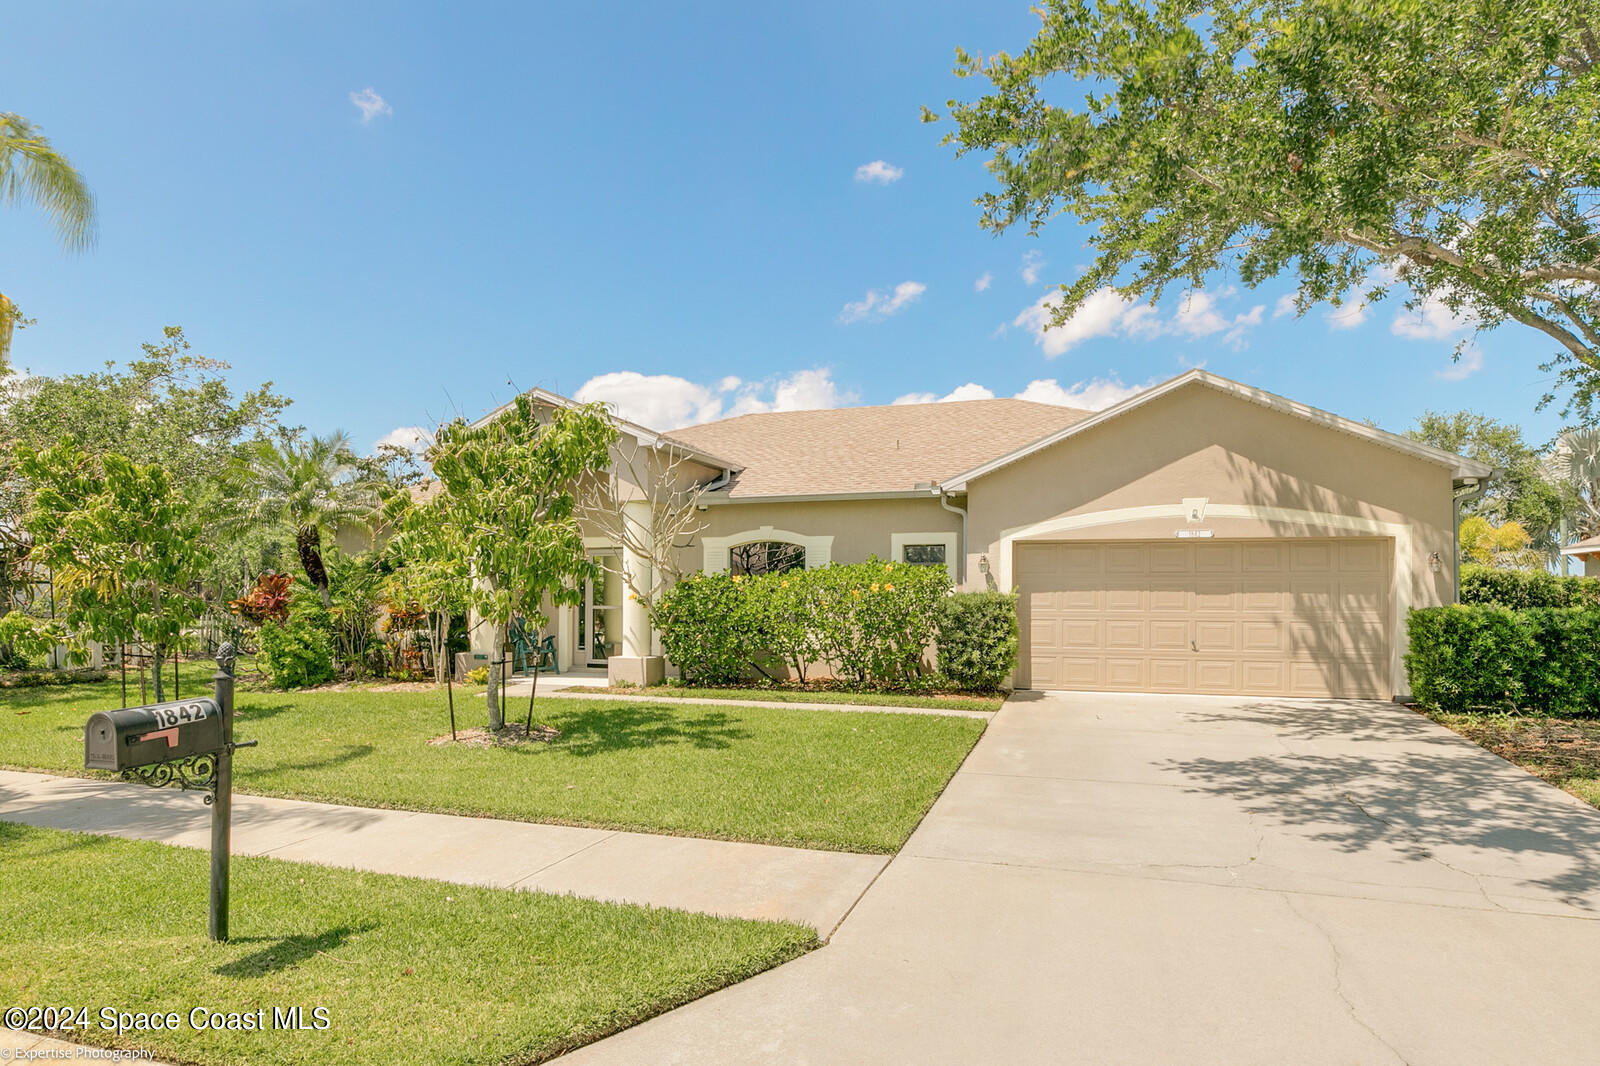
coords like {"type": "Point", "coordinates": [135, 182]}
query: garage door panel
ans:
{"type": "Point", "coordinates": [1284, 617]}
{"type": "Point", "coordinates": [1125, 635]}
{"type": "Point", "coordinates": [1082, 634]}
{"type": "Point", "coordinates": [1210, 636]}
{"type": "Point", "coordinates": [1125, 673]}
{"type": "Point", "coordinates": [1168, 635]}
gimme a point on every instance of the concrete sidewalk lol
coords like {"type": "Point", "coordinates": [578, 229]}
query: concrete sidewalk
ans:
{"type": "Point", "coordinates": [523, 689]}
{"type": "Point", "coordinates": [816, 888]}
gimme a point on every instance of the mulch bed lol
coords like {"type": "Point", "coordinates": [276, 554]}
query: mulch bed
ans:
{"type": "Point", "coordinates": [511, 735]}
{"type": "Point", "coordinates": [1549, 747]}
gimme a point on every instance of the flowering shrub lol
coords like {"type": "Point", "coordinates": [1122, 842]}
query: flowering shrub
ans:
{"type": "Point", "coordinates": [871, 621]}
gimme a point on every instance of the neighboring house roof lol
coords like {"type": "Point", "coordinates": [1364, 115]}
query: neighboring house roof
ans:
{"type": "Point", "coordinates": [866, 451]}
{"type": "Point", "coordinates": [1460, 467]}
{"type": "Point", "coordinates": [1586, 547]}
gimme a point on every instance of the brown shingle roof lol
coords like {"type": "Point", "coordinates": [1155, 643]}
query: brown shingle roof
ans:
{"type": "Point", "coordinates": [871, 449]}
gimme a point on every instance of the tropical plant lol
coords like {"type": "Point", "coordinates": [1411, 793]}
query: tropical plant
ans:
{"type": "Point", "coordinates": [1575, 462]}
{"type": "Point", "coordinates": [1445, 144]}
{"type": "Point", "coordinates": [267, 600]}
{"type": "Point", "coordinates": [509, 496]}
{"type": "Point", "coordinates": [312, 486]}
{"type": "Point", "coordinates": [33, 171]}
{"type": "Point", "coordinates": [1506, 546]}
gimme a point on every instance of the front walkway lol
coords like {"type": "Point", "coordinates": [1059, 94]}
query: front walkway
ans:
{"type": "Point", "coordinates": [816, 888]}
{"type": "Point", "coordinates": [1116, 879]}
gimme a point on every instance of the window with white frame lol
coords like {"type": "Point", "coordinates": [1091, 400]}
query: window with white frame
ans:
{"type": "Point", "coordinates": [926, 549]}
{"type": "Point", "coordinates": [766, 557]}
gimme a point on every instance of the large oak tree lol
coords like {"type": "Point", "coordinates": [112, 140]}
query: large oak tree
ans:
{"type": "Point", "coordinates": [1449, 145]}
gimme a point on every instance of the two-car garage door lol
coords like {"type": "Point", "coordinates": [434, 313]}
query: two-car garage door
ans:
{"type": "Point", "coordinates": [1296, 617]}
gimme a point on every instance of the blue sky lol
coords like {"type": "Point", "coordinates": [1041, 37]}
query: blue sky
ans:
{"type": "Point", "coordinates": [693, 209]}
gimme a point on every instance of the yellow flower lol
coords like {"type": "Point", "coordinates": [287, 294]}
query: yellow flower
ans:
{"type": "Point", "coordinates": [874, 586]}
{"type": "Point", "coordinates": [738, 578]}
{"type": "Point", "coordinates": [889, 588]}
{"type": "Point", "coordinates": [784, 583]}
{"type": "Point", "coordinates": [888, 568]}
{"type": "Point", "coordinates": [856, 593]}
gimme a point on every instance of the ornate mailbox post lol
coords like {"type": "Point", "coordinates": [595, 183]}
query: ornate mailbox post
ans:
{"type": "Point", "coordinates": [188, 743]}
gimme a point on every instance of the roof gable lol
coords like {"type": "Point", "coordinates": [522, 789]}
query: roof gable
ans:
{"type": "Point", "coordinates": [1459, 466]}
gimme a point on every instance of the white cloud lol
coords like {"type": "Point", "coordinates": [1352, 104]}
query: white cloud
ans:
{"type": "Point", "coordinates": [1032, 264]}
{"type": "Point", "coordinates": [659, 401]}
{"type": "Point", "coordinates": [1469, 360]}
{"type": "Point", "coordinates": [663, 401]}
{"type": "Point", "coordinates": [1432, 320]}
{"type": "Point", "coordinates": [1106, 313]}
{"type": "Point", "coordinates": [983, 283]}
{"type": "Point", "coordinates": [412, 438]}
{"type": "Point", "coordinates": [1285, 305]}
{"type": "Point", "coordinates": [876, 304]}
{"type": "Point", "coordinates": [1352, 313]}
{"type": "Point", "coordinates": [1094, 395]}
{"type": "Point", "coordinates": [371, 104]}
{"type": "Point", "coordinates": [970, 391]}
{"type": "Point", "coordinates": [880, 172]}
{"type": "Point", "coordinates": [1101, 315]}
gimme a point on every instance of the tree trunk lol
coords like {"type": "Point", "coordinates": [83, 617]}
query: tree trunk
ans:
{"type": "Point", "coordinates": [496, 712]}
{"type": "Point", "coordinates": [158, 653]}
{"type": "Point", "coordinates": [308, 542]}
{"type": "Point", "coordinates": [441, 646]}
{"type": "Point", "coordinates": [7, 323]}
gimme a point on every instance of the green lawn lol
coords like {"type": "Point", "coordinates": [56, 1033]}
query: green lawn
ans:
{"type": "Point", "coordinates": [408, 970]}
{"type": "Point", "coordinates": [857, 781]}
{"type": "Point", "coordinates": [807, 695]}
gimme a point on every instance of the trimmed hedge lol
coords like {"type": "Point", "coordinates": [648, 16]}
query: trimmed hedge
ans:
{"type": "Point", "coordinates": [1469, 657]}
{"type": "Point", "coordinates": [978, 638]}
{"type": "Point", "coordinates": [872, 621]}
{"type": "Point", "coordinates": [1523, 589]}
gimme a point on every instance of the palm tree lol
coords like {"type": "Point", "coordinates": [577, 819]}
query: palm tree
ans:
{"type": "Point", "coordinates": [32, 170]}
{"type": "Point", "coordinates": [1575, 462]}
{"type": "Point", "coordinates": [313, 485]}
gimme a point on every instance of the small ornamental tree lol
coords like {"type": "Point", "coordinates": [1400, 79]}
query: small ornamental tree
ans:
{"type": "Point", "coordinates": [430, 568]}
{"type": "Point", "coordinates": [123, 545]}
{"type": "Point", "coordinates": [510, 496]}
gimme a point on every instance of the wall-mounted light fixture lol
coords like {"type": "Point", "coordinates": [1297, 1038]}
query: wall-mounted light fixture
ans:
{"type": "Point", "coordinates": [1435, 562]}
{"type": "Point", "coordinates": [983, 564]}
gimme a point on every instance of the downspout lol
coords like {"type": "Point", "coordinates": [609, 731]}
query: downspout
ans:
{"type": "Point", "coordinates": [1473, 492]}
{"type": "Point", "coordinates": [718, 482]}
{"type": "Point", "coordinates": [961, 555]}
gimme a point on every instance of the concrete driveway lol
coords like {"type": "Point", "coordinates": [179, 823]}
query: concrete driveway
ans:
{"type": "Point", "coordinates": [1185, 880]}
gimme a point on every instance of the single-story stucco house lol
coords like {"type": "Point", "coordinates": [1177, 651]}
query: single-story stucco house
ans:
{"type": "Point", "coordinates": [1200, 536]}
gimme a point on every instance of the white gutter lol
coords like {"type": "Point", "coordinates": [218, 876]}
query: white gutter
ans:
{"type": "Point", "coordinates": [961, 552]}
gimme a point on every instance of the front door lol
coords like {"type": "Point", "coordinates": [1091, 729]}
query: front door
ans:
{"type": "Point", "coordinates": [600, 614]}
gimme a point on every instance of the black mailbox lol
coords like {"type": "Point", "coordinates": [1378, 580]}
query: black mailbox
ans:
{"type": "Point", "coordinates": [160, 732]}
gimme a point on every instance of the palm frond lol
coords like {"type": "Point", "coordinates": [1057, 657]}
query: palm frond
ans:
{"type": "Point", "coordinates": [32, 171]}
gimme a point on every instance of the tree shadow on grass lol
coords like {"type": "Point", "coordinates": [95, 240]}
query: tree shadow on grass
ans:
{"type": "Point", "coordinates": [1378, 776]}
{"type": "Point", "coordinates": [281, 953]}
{"type": "Point", "coordinates": [642, 725]}
{"type": "Point", "coordinates": [350, 753]}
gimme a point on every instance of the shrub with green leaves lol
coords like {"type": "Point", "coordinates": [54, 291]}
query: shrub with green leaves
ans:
{"type": "Point", "coordinates": [299, 652]}
{"type": "Point", "coordinates": [706, 624]}
{"type": "Point", "coordinates": [871, 621]}
{"type": "Point", "coordinates": [1469, 657]}
{"type": "Point", "coordinates": [1521, 589]}
{"type": "Point", "coordinates": [978, 638]}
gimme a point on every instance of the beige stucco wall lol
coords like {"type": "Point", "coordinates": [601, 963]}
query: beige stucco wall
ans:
{"type": "Point", "coordinates": [1263, 473]}
{"type": "Point", "coordinates": [858, 528]}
